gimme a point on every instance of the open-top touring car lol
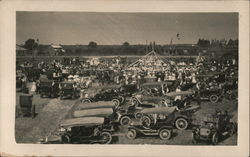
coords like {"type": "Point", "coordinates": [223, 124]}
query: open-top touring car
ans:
{"type": "Point", "coordinates": [214, 128]}
{"type": "Point", "coordinates": [181, 119]}
{"type": "Point", "coordinates": [106, 95]}
{"type": "Point", "coordinates": [87, 130]}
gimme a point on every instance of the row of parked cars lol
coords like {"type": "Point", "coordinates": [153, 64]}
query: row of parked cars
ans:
{"type": "Point", "coordinates": [142, 114]}
{"type": "Point", "coordinates": [140, 117]}
{"type": "Point", "coordinates": [144, 121]}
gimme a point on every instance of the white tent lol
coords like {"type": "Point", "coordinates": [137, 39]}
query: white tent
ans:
{"type": "Point", "coordinates": [150, 60]}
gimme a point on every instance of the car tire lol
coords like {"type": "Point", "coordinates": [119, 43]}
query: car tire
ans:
{"type": "Point", "coordinates": [86, 101]}
{"type": "Point", "coordinates": [134, 102]}
{"type": "Point", "coordinates": [65, 138]}
{"type": "Point", "coordinates": [165, 134]}
{"type": "Point", "coordinates": [181, 123]}
{"type": "Point", "coordinates": [122, 99]}
{"type": "Point", "coordinates": [138, 115]}
{"type": "Point", "coordinates": [131, 134]}
{"type": "Point", "coordinates": [107, 137]}
{"type": "Point", "coordinates": [125, 120]}
{"type": "Point", "coordinates": [213, 98]}
{"type": "Point", "coordinates": [233, 129]}
{"type": "Point", "coordinates": [194, 138]}
{"type": "Point", "coordinates": [146, 122]}
{"type": "Point", "coordinates": [41, 95]}
{"type": "Point", "coordinates": [116, 102]}
{"type": "Point", "coordinates": [215, 138]}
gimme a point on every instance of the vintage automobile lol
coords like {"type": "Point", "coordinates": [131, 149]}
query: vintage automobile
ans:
{"type": "Point", "coordinates": [106, 95]}
{"type": "Point", "coordinates": [231, 88]}
{"type": "Point", "coordinates": [125, 115]}
{"type": "Point", "coordinates": [26, 105]}
{"type": "Point", "coordinates": [213, 95]}
{"type": "Point", "coordinates": [163, 130]}
{"type": "Point", "coordinates": [128, 90]}
{"type": "Point", "coordinates": [88, 130]}
{"type": "Point", "coordinates": [214, 128]}
{"type": "Point", "coordinates": [149, 96]}
{"type": "Point", "coordinates": [67, 90]}
{"type": "Point", "coordinates": [47, 89]}
{"type": "Point", "coordinates": [181, 119]}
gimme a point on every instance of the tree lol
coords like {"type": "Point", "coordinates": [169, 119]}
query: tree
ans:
{"type": "Point", "coordinates": [125, 43]}
{"type": "Point", "coordinates": [30, 44]}
{"type": "Point", "coordinates": [92, 44]}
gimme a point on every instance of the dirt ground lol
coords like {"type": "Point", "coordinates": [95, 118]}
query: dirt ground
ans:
{"type": "Point", "coordinates": [50, 112]}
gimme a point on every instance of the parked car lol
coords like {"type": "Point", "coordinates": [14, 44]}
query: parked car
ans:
{"type": "Point", "coordinates": [48, 88]}
{"type": "Point", "coordinates": [106, 95]}
{"type": "Point", "coordinates": [146, 96]}
{"type": "Point", "coordinates": [67, 90]}
{"type": "Point", "coordinates": [214, 128]}
{"type": "Point", "coordinates": [181, 119]}
{"type": "Point", "coordinates": [163, 130]}
{"type": "Point", "coordinates": [26, 105]}
{"type": "Point", "coordinates": [87, 130]}
{"type": "Point", "coordinates": [125, 116]}
{"type": "Point", "coordinates": [213, 95]}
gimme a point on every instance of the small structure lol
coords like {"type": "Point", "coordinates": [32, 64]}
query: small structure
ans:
{"type": "Point", "coordinates": [56, 50]}
{"type": "Point", "coordinates": [20, 51]}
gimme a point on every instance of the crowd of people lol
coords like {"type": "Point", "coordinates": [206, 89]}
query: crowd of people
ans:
{"type": "Point", "coordinates": [204, 73]}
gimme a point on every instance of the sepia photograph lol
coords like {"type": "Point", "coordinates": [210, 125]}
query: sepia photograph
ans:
{"type": "Point", "coordinates": [126, 78]}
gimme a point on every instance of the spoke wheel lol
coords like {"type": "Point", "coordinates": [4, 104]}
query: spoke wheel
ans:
{"type": "Point", "coordinates": [131, 134]}
{"type": "Point", "coordinates": [86, 101]}
{"type": "Point", "coordinates": [106, 137]}
{"type": "Point", "coordinates": [165, 134]}
{"type": "Point", "coordinates": [125, 120]}
{"type": "Point", "coordinates": [116, 102]}
{"type": "Point", "coordinates": [146, 122]}
{"type": "Point", "coordinates": [181, 124]}
{"type": "Point", "coordinates": [213, 98]}
{"type": "Point", "coordinates": [215, 139]}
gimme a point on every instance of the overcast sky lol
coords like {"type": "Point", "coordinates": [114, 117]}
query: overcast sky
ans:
{"type": "Point", "coordinates": [116, 28]}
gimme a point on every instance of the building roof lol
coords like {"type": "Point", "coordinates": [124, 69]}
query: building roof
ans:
{"type": "Point", "coordinates": [19, 48]}
{"type": "Point", "coordinates": [56, 46]}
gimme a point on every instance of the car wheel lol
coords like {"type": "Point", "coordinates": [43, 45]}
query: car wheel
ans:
{"type": "Point", "coordinates": [146, 122]}
{"type": "Point", "coordinates": [134, 102]}
{"type": "Point", "coordinates": [138, 115]}
{"type": "Point", "coordinates": [61, 97]}
{"type": "Point", "coordinates": [213, 98]}
{"type": "Point", "coordinates": [65, 138]}
{"type": "Point", "coordinates": [116, 102]}
{"type": "Point", "coordinates": [215, 138]}
{"type": "Point", "coordinates": [165, 134]}
{"type": "Point", "coordinates": [194, 138]}
{"type": "Point", "coordinates": [233, 96]}
{"type": "Point", "coordinates": [125, 120]}
{"type": "Point", "coordinates": [181, 124]}
{"type": "Point", "coordinates": [131, 134]}
{"type": "Point", "coordinates": [86, 101]}
{"type": "Point", "coordinates": [233, 129]}
{"type": "Point", "coordinates": [106, 137]}
{"type": "Point", "coordinates": [122, 99]}
{"type": "Point", "coordinates": [41, 95]}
